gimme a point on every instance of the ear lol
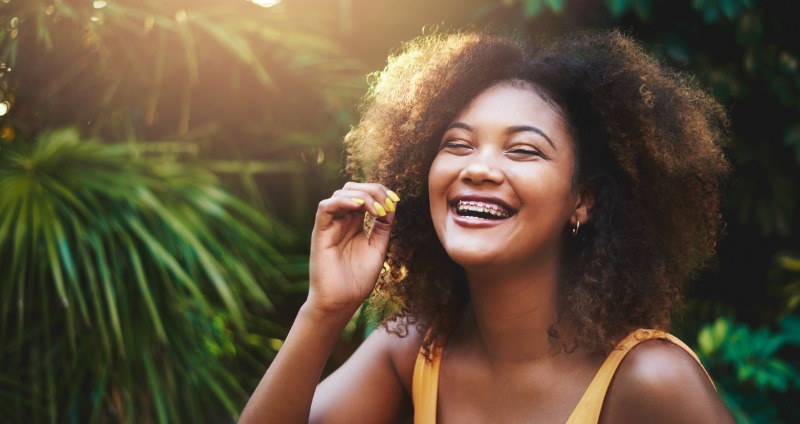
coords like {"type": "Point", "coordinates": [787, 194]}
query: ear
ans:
{"type": "Point", "coordinates": [583, 208]}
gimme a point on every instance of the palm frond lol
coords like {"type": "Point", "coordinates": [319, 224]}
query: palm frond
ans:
{"type": "Point", "coordinates": [121, 255]}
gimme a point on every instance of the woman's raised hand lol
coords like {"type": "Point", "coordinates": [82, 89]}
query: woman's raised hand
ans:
{"type": "Point", "coordinates": [344, 267]}
{"type": "Point", "coordinates": [345, 263]}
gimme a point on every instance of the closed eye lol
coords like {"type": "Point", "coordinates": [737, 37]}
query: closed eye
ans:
{"type": "Point", "coordinates": [455, 146]}
{"type": "Point", "coordinates": [526, 152]}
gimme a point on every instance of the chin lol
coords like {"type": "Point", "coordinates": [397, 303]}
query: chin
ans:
{"type": "Point", "coordinates": [471, 258]}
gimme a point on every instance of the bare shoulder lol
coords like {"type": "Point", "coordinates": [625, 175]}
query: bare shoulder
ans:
{"type": "Point", "coordinates": [402, 340]}
{"type": "Point", "coordinates": [374, 384]}
{"type": "Point", "coordinates": [659, 382]}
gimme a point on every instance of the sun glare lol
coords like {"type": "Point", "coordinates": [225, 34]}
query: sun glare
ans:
{"type": "Point", "coordinates": [265, 3]}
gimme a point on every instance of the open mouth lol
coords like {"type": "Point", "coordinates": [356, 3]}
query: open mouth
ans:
{"type": "Point", "coordinates": [481, 210]}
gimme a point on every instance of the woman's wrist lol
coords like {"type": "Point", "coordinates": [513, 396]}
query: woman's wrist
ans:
{"type": "Point", "coordinates": [326, 316]}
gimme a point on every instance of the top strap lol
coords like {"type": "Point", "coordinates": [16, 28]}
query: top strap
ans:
{"type": "Point", "coordinates": [425, 386]}
{"type": "Point", "coordinates": [590, 405]}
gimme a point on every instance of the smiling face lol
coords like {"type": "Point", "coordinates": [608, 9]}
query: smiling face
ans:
{"type": "Point", "coordinates": [500, 187]}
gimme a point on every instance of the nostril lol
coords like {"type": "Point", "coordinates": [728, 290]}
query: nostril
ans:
{"type": "Point", "coordinates": [481, 172]}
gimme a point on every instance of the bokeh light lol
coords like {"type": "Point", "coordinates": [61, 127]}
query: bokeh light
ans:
{"type": "Point", "coordinates": [265, 3]}
{"type": "Point", "coordinates": [7, 133]}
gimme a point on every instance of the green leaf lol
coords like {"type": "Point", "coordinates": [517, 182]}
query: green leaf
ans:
{"type": "Point", "coordinates": [745, 372]}
{"type": "Point", "coordinates": [721, 329]}
{"type": "Point", "coordinates": [706, 342]}
{"type": "Point", "coordinates": [166, 259]}
{"type": "Point", "coordinates": [96, 296]}
{"type": "Point", "coordinates": [790, 326]}
{"type": "Point", "coordinates": [156, 391]}
{"type": "Point", "coordinates": [210, 265]}
{"type": "Point", "coordinates": [772, 345]}
{"type": "Point", "coordinates": [51, 245]}
{"type": "Point", "coordinates": [109, 291]}
{"type": "Point", "coordinates": [141, 279]}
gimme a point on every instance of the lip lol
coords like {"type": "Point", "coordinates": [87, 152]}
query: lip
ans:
{"type": "Point", "coordinates": [466, 221]}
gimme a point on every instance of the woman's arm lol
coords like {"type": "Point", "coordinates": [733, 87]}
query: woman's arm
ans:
{"type": "Point", "coordinates": [285, 392]}
{"type": "Point", "coordinates": [344, 266]}
{"type": "Point", "coordinates": [373, 385]}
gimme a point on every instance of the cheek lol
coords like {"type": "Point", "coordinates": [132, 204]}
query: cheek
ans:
{"type": "Point", "coordinates": [436, 178]}
{"type": "Point", "coordinates": [438, 181]}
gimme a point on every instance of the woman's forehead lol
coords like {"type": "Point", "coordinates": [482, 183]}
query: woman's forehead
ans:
{"type": "Point", "coordinates": [501, 95]}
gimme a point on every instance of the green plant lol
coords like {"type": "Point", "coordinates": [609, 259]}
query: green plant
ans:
{"type": "Point", "coordinates": [754, 369]}
{"type": "Point", "coordinates": [126, 273]}
{"type": "Point", "coordinates": [194, 68]}
{"type": "Point", "coordinates": [265, 85]}
{"type": "Point", "coordinates": [786, 273]}
{"type": "Point", "coordinates": [133, 287]}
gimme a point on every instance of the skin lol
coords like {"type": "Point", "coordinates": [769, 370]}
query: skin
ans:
{"type": "Point", "coordinates": [508, 147]}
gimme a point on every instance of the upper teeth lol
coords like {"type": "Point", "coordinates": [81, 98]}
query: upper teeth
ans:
{"type": "Point", "coordinates": [472, 206]}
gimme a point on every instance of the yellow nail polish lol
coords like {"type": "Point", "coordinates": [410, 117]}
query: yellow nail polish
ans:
{"type": "Point", "coordinates": [379, 209]}
{"type": "Point", "coordinates": [389, 205]}
{"type": "Point", "coordinates": [357, 200]}
{"type": "Point", "coordinates": [392, 195]}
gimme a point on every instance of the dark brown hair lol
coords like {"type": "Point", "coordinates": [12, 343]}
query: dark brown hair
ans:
{"type": "Point", "coordinates": [648, 143]}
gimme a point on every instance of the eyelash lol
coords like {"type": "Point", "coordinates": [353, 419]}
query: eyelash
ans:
{"type": "Point", "coordinates": [455, 144]}
{"type": "Point", "coordinates": [459, 145]}
{"type": "Point", "coordinates": [524, 151]}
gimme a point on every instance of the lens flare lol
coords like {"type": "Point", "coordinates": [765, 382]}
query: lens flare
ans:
{"type": "Point", "coordinates": [265, 3]}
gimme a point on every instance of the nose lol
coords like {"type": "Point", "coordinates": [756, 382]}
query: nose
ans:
{"type": "Point", "coordinates": [482, 168]}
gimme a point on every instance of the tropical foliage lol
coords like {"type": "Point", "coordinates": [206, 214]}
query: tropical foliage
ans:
{"type": "Point", "coordinates": [125, 275]}
{"type": "Point", "coordinates": [243, 82]}
{"type": "Point", "coordinates": [159, 163]}
{"type": "Point", "coordinates": [755, 369]}
{"type": "Point", "coordinates": [136, 287]}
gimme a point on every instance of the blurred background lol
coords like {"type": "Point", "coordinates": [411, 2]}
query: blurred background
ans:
{"type": "Point", "coordinates": [161, 160]}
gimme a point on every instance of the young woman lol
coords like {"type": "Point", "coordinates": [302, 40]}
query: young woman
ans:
{"type": "Point", "coordinates": [554, 201]}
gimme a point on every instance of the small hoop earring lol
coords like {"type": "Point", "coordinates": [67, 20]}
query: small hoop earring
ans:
{"type": "Point", "coordinates": [577, 227]}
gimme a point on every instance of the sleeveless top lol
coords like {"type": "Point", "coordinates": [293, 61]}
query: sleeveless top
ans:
{"type": "Point", "coordinates": [425, 382]}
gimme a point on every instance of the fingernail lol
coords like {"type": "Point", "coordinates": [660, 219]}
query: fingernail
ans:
{"type": "Point", "coordinates": [389, 205]}
{"type": "Point", "coordinates": [392, 195]}
{"type": "Point", "coordinates": [358, 201]}
{"type": "Point", "coordinates": [379, 209]}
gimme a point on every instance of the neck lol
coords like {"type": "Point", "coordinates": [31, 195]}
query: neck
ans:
{"type": "Point", "coordinates": [512, 313]}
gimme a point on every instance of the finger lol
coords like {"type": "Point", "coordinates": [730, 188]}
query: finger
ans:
{"type": "Point", "coordinates": [377, 206]}
{"type": "Point", "coordinates": [378, 191]}
{"type": "Point", "coordinates": [386, 198]}
{"type": "Point", "coordinates": [337, 207]}
{"type": "Point", "coordinates": [381, 231]}
{"type": "Point", "coordinates": [382, 224]}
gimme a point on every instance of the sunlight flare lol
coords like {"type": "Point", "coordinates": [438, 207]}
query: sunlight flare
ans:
{"type": "Point", "coordinates": [265, 3]}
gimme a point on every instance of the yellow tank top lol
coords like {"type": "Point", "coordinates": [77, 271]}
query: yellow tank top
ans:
{"type": "Point", "coordinates": [425, 383]}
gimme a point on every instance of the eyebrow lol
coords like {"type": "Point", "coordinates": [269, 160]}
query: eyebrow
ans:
{"type": "Point", "coordinates": [511, 130]}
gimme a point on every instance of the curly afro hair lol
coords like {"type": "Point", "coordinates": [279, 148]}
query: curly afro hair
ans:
{"type": "Point", "coordinates": [648, 145]}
